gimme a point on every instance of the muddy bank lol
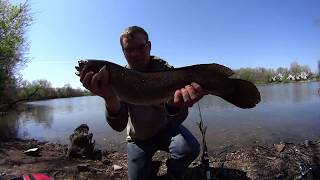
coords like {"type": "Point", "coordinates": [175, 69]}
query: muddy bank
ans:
{"type": "Point", "coordinates": [289, 161]}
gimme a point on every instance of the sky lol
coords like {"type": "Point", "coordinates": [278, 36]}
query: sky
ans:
{"type": "Point", "coordinates": [246, 33]}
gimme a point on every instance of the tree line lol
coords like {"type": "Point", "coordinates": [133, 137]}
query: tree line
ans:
{"type": "Point", "coordinates": [264, 75]}
{"type": "Point", "coordinates": [42, 89]}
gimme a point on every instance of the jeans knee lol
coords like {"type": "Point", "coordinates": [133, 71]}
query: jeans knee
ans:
{"type": "Point", "coordinates": [184, 149]}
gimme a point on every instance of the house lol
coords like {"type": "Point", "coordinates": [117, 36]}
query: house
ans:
{"type": "Point", "coordinates": [278, 77]}
{"type": "Point", "coordinates": [304, 75]}
{"type": "Point", "coordinates": [291, 77]}
{"type": "Point", "coordinates": [273, 79]}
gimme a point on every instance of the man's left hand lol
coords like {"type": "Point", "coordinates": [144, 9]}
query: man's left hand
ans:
{"type": "Point", "coordinates": [187, 96]}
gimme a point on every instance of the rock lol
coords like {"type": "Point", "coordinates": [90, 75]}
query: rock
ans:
{"type": "Point", "coordinates": [32, 152]}
{"type": "Point", "coordinates": [306, 143]}
{"type": "Point", "coordinates": [106, 161]}
{"type": "Point", "coordinates": [97, 169]}
{"type": "Point", "coordinates": [87, 167]}
{"type": "Point", "coordinates": [2, 161]}
{"type": "Point", "coordinates": [271, 158]}
{"type": "Point", "coordinates": [81, 144]}
{"type": "Point", "coordinates": [83, 167]}
{"type": "Point", "coordinates": [116, 167]}
{"type": "Point", "coordinates": [279, 147]}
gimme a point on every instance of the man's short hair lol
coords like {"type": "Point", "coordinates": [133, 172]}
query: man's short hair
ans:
{"type": "Point", "coordinates": [131, 31]}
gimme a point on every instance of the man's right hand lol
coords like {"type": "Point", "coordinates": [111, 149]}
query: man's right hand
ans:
{"type": "Point", "coordinates": [98, 83]}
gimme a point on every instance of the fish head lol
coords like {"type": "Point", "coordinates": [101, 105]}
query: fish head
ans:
{"type": "Point", "coordinates": [90, 65]}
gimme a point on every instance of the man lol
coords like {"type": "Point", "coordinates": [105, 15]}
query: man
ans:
{"type": "Point", "coordinates": [154, 127]}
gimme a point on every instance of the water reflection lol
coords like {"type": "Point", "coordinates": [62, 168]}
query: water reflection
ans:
{"type": "Point", "coordinates": [287, 112]}
{"type": "Point", "coordinates": [9, 126]}
{"type": "Point", "coordinates": [291, 92]}
{"type": "Point", "coordinates": [40, 114]}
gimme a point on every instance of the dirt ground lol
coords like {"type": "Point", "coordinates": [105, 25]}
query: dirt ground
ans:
{"type": "Point", "coordinates": [294, 161]}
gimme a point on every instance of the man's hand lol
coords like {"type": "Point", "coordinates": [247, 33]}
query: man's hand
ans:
{"type": "Point", "coordinates": [187, 96]}
{"type": "Point", "coordinates": [93, 79]}
{"type": "Point", "coordinates": [97, 83]}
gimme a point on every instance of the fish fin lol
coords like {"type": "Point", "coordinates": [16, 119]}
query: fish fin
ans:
{"type": "Point", "coordinates": [246, 95]}
{"type": "Point", "coordinates": [214, 68]}
{"type": "Point", "coordinates": [217, 68]}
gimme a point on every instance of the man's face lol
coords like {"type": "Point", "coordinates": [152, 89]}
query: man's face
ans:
{"type": "Point", "coordinates": [137, 51]}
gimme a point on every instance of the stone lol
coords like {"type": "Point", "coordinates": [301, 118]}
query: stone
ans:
{"type": "Point", "coordinates": [279, 147]}
{"type": "Point", "coordinates": [32, 152]}
{"type": "Point", "coordinates": [83, 167]}
{"type": "Point", "coordinates": [81, 143]}
{"type": "Point", "coordinates": [116, 167]}
{"type": "Point", "coordinates": [306, 143]}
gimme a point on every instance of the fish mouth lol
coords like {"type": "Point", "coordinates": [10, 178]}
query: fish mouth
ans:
{"type": "Point", "coordinates": [81, 64]}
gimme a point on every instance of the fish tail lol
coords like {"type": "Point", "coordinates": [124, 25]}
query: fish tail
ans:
{"type": "Point", "coordinates": [245, 94]}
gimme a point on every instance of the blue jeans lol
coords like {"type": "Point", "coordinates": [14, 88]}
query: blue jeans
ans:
{"type": "Point", "coordinates": [178, 141]}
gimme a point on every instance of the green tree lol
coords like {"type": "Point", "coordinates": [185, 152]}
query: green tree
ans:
{"type": "Point", "coordinates": [14, 19]}
{"type": "Point", "coordinates": [246, 74]}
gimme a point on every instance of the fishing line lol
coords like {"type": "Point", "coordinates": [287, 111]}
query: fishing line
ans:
{"type": "Point", "coordinates": [204, 156]}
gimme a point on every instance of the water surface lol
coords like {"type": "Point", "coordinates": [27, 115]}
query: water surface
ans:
{"type": "Point", "coordinates": [287, 112]}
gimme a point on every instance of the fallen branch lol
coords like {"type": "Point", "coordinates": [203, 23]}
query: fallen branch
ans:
{"type": "Point", "coordinates": [8, 106]}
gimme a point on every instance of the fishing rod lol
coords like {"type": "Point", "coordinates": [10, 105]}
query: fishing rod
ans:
{"type": "Point", "coordinates": [204, 156]}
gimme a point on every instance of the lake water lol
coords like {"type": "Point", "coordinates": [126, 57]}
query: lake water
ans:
{"type": "Point", "coordinates": [287, 112]}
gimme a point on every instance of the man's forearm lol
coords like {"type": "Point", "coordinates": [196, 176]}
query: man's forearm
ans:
{"type": "Point", "coordinates": [118, 118]}
{"type": "Point", "coordinates": [113, 105]}
{"type": "Point", "coordinates": [176, 115]}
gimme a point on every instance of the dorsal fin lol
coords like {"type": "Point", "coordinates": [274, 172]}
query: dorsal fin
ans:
{"type": "Point", "coordinates": [218, 68]}
{"type": "Point", "coordinates": [215, 68]}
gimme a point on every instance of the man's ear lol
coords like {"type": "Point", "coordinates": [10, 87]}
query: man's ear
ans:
{"type": "Point", "coordinates": [149, 45]}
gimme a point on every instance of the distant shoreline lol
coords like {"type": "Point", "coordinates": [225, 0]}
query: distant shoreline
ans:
{"type": "Point", "coordinates": [287, 82]}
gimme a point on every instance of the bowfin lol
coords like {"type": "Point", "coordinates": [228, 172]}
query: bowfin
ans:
{"type": "Point", "coordinates": [217, 68]}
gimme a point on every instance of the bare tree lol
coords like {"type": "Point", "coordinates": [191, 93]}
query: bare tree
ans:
{"type": "Point", "coordinates": [319, 67]}
{"type": "Point", "coordinates": [295, 68]}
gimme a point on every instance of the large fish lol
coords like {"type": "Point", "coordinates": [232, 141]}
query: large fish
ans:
{"type": "Point", "coordinates": [144, 88]}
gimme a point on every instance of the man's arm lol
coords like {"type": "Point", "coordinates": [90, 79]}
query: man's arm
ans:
{"type": "Point", "coordinates": [175, 115]}
{"type": "Point", "coordinates": [98, 83]}
{"type": "Point", "coordinates": [118, 121]}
